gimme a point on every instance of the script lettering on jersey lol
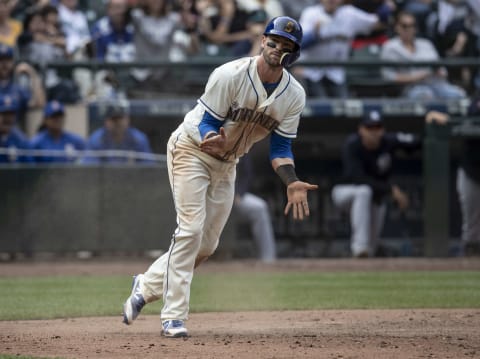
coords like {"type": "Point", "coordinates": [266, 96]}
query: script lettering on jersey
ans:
{"type": "Point", "coordinates": [252, 116]}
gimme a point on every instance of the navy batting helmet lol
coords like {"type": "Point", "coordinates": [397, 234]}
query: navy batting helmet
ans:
{"type": "Point", "coordinates": [288, 28]}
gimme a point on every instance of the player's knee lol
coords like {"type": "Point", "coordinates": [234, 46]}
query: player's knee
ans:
{"type": "Point", "coordinates": [364, 191]}
{"type": "Point", "coordinates": [207, 251]}
{"type": "Point", "coordinates": [259, 209]}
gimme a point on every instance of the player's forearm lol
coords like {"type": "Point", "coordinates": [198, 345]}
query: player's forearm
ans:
{"type": "Point", "coordinates": [285, 169]}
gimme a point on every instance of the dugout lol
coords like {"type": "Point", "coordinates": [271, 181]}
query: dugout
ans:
{"type": "Point", "coordinates": [129, 208]}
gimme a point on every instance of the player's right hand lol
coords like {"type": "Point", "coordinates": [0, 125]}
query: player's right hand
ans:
{"type": "Point", "coordinates": [215, 145]}
{"type": "Point", "coordinates": [297, 199]}
{"type": "Point", "coordinates": [400, 197]}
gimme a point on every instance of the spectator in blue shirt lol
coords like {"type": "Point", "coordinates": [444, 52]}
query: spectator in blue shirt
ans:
{"type": "Point", "coordinates": [113, 42]}
{"type": "Point", "coordinates": [113, 34]}
{"type": "Point", "coordinates": [118, 135]}
{"type": "Point", "coordinates": [54, 137]}
{"type": "Point", "coordinates": [20, 82]}
{"type": "Point", "coordinates": [11, 138]}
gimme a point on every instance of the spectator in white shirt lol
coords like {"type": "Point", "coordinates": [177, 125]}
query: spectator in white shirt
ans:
{"type": "Point", "coordinates": [420, 82]}
{"type": "Point", "coordinates": [329, 28]}
{"type": "Point", "coordinates": [74, 25]}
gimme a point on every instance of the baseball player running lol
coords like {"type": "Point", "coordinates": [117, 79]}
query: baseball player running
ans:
{"type": "Point", "coordinates": [244, 101]}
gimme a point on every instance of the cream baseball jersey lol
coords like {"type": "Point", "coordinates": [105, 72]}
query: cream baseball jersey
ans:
{"type": "Point", "coordinates": [235, 95]}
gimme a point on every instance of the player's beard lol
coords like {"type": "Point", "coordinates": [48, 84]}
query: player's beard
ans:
{"type": "Point", "coordinates": [271, 60]}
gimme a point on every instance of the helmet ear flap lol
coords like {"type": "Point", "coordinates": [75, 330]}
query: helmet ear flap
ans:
{"type": "Point", "coordinates": [289, 58]}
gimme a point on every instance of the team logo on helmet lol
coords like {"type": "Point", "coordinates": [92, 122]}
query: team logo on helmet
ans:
{"type": "Point", "coordinates": [289, 27]}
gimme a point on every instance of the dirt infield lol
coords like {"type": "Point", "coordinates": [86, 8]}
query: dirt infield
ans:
{"type": "Point", "coordinates": [431, 333]}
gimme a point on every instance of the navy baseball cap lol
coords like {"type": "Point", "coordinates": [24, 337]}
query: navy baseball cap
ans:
{"type": "Point", "coordinates": [6, 51]}
{"type": "Point", "coordinates": [53, 108]}
{"type": "Point", "coordinates": [117, 109]}
{"type": "Point", "coordinates": [8, 104]}
{"type": "Point", "coordinates": [372, 118]}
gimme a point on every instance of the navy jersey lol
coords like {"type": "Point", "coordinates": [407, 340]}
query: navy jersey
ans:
{"type": "Point", "coordinates": [68, 143]}
{"type": "Point", "coordinates": [374, 167]}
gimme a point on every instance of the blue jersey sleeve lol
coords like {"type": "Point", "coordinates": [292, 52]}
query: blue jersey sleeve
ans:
{"type": "Point", "coordinates": [208, 124]}
{"type": "Point", "coordinates": [280, 147]}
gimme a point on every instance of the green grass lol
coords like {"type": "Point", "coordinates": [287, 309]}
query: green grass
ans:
{"type": "Point", "coordinates": [57, 297]}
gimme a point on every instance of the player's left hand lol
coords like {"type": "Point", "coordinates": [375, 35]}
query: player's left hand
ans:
{"type": "Point", "coordinates": [297, 199]}
{"type": "Point", "coordinates": [215, 145]}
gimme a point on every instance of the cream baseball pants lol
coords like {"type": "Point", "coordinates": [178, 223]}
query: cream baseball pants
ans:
{"type": "Point", "coordinates": [203, 192]}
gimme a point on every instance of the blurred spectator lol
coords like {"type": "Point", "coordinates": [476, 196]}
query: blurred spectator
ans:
{"type": "Point", "coordinates": [159, 35]}
{"type": "Point", "coordinates": [447, 27]}
{"type": "Point", "coordinates": [117, 134]}
{"type": "Point", "coordinates": [52, 136]}
{"type": "Point", "coordinates": [294, 8]}
{"type": "Point", "coordinates": [21, 82]}
{"type": "Point", "coordinates": [21, 8]}
{"type": "Point", "coordinates": [75, 27]}
{"type": "Point", "coordinates": [113, 42]}
{"type": "Point", "coordinates": [419, 82]}
{"type": "Point", "coordinates": [259, 12]}
{"type": "Point", "coordinates": [42, 43]}
{"type": "Point", "coordinates": [473, 25]}
{"type": "Point", "coordinates": [384, 9]}
{"type": "Point", "coordinates": [421, 9]}
{"type": "Point", "coordinates": [448, 31]}
{"type": "Point", "coordinates": [113, 34]}
{"type": "Point", "coordinates": [468, 183]}
{"type": "Point", "coordinates": [189, 15]}
{"type": "Point", "coordinates": [362, 192]}
{"type": "Point", "coordinates": [329, 28]}
{"type": "Point", "coordinates": [10, 29]}
{"type": "Point", "coordinates": [11, 138]}
{"type": "Point", "coordinates": [215, 24]}
{"type": "Point", "coordinates": [254, 210]}
{"type": "Point", "coordinates": [231, 29]}
{"type": "Point", "coordinates": [78, 42]}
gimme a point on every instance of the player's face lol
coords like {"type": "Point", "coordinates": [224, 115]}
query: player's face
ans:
{"type": "Point", "coordinates": [117, 125]}
{"type": "Point", "coordinates": [55, 123]}
{"type": "Point", "coordinates": [274, 47]}
{"type": "Point", "coordinates": [116, 10]}
{"type": "Point", "coordinates": [406, 27]}
{"type": "Point", "coordinates": [7, 120]}
{"type": "Point", "coordinates": [371, 136]}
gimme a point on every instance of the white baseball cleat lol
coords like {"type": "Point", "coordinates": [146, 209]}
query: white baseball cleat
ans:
{"type": "Point", "coordinates": [174, 329]}
{"type": "Point", "coordinates": [134, 303]}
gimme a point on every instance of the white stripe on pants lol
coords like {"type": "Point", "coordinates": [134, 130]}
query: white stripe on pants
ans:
{"type": "Point", "coordinates": [366, 217]}
{"type": "Point", "coordinates": [203, 190]}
